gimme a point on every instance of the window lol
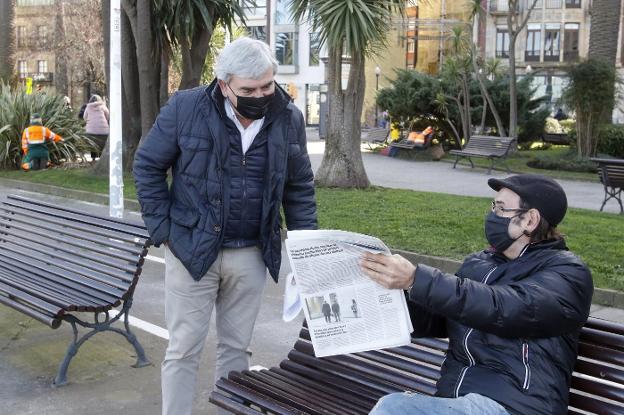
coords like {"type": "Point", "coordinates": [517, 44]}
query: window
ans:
{"type": "Point", "coordinates": [534, 42]}
{"type": "Point", "coordinates": [282, 12]}
{"type": "Point", "coordinates": [35, 2]}
{"type": "Point", "coordinates": [502, 43]}
{"type": "Point", "coordinates": [257, 8]}
{"type": "Point", "coordinates": [573, 4]}
{"type": "Point", "coordinates": [315, 49]}
{"type": "Point", "coordinates": [42, 66]}
{"type": "Point", "coordinates": [286, 45]}
{"type": "Point", "coordinates": [553, 4]}
{"type": "Point", "coordinates": [42, 33]}
{"type": "Point", "coordinates": [21, 36]}
{"type": "Point", "coordinates": [552, 39]}
{"type": "Point", "coordinates": [257, 32]}
{"type": "Point", "coordinates": [22, 68]}
{"type": "Point", "coordinates": [571, 42]}
{"type": "Point", "coordinates": [411, 46]}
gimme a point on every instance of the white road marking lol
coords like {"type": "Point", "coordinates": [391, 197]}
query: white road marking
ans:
{"type": "Point", "coordinates": [155, 259]}
{"type": "Point", "coordinates": [148, 327]}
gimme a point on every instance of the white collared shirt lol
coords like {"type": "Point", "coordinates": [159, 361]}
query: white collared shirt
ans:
{"type": "Point", "coordinates": [247, 134]}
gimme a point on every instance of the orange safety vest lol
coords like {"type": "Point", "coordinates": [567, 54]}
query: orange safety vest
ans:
{"type": "Point", "coordinates": [37, 134]}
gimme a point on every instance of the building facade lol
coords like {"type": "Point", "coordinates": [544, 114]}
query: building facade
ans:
{"type": "Point", "coordinates": [35, 57]}
{"type": "Point", "coordinates": [556, 36]}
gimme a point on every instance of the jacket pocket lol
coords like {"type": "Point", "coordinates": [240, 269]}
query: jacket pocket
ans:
{"type": "Point", "coordinates": [184, 216]}
{"type": "Point", "coordinates": [196, 155]}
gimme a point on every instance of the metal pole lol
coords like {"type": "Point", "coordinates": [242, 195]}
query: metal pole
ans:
{"type": "Point", "coordinates": [376, 106]}
{"type": "Point", "coordinates": [116, 201]}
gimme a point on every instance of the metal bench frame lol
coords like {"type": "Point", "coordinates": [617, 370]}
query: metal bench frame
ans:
{"type": "Point", "coordinates": [352, 384]}
{"type": "Point", "coordinates": [611, 172]}
{"type": "Point", "coordinates": [490, 147]}
{"type": "Point", "coordinates": [55, 284]}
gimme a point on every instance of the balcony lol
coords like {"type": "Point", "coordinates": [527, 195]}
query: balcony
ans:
{"type": "Point", "coordinates": [38, 76]}
{"type": "Point", "coordinates": [551, 56]}
{"type": "Point", "coordinates": [34, 43]}
{"type": "Point", "coordinates": [501, 7]}
{"type": "Point", "coordinates": [532, 56]}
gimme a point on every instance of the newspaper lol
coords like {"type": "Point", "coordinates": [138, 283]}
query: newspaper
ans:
{"type": "Point", "coordinates": [346, 311]}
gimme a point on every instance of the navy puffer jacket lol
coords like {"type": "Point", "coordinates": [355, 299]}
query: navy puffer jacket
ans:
{"type": "Point", "coordinates": [513, 325]}
{"type": "Point", "coordinates": [192, 137]}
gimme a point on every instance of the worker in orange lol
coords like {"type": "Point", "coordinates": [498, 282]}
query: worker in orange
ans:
{"type": "Point", "coordinates": [34, 144]}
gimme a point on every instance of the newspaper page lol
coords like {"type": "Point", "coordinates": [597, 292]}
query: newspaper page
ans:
{"type": "Point", "coordinates": [346, 311]}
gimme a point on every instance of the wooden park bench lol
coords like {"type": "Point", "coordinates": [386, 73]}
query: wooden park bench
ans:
{"type": "Point", "coordinates": [411, 144]}
{"type": "Point", "coordinates": [611, 172]}
{"type": "Point", "coordinates": [375, 135]}
{"type": "Point", "coordinates": [556, 138]}
{"type": "Point", "coordinates": [490, 147]}
{"type": "Point", "coordinates": [57, 262]}
{"type": "Point", "coordinates": [352, 384]}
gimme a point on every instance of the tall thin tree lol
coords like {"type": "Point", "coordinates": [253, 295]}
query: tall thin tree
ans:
{"type": "Point", "coordinates": [7, 40]}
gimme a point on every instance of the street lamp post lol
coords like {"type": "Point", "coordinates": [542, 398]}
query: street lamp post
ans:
{"type": "Point", "coordinates": [377, 73]}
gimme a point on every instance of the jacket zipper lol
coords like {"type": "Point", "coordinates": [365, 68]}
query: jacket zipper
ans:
{"type": "Point", "coordinates": [527, 367]}
{"type": "Point", "coordinates": [244, 201]}
{"type": "Point", "coordinates": [471, 361]}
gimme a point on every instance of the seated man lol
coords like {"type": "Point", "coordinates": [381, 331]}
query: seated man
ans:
{"type": "Point", "coordinates": [512, 312]}
{"type": "Point", "coordinates": [34, 144]}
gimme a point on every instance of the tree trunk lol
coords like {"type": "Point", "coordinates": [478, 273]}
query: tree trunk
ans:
{"type": "Point", "coordinates": [193, 58]}
{"type": "Point", "coordinates": [486, 97]}
{"type": "Point", "coordinates": [148, 61]}
{"type": "Point", "coordinates": [603, 37]}
{"type": "Point", "coordinates": [106, 32]}
{"type": "Point", "coordinates": [342, 164]}
{"type": "Point", "coordinates": [466, 108]}
{"type": "Point", "coordinates": [164, 75]}
{"type": "Point", "coordinates": [60, 70]}
{"type": "Point", "coordinates": [7, 40]}
{"type": "Point", "coordinates": [513, 93]}
{"type": "Point", "coordinates": [483, 115]}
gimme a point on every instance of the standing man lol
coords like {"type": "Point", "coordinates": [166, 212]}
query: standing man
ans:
{"type": "Point", "coordinates": [327, 311]}
{"type": "Point", "coordinates": [336, 310]}
{"type": "Point", "coordinates": [237, 153]}
{"type": "Point", "coordinates": [512, 313]}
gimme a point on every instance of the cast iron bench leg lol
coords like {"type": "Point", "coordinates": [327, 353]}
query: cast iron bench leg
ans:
{"type": "Point", "coordinates": [97, 326]}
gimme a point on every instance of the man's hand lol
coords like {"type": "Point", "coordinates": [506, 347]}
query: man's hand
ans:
{"type": "Point", "coordinates": [389, 271]}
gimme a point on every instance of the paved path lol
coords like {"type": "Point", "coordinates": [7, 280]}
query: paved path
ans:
{"type": "Point", "coordinates": [440, 177]}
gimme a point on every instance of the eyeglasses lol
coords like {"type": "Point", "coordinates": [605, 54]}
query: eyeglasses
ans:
{"type": "Point", "coordinates": [499, 210]}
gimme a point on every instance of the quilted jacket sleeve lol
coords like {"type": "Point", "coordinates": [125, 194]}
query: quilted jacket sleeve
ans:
{"type": "Point", "coordinates": [151, 162]}
{"type": "Point", "coordinates": [298, 200]}
{"type": "Point", "coordinates": [552, 301]}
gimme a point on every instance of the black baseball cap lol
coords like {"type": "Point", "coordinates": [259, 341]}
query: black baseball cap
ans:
{"type": "Point", "coordinates": [539, 192]}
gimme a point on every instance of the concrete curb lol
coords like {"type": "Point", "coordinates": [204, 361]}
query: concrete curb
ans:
{"type": "Point", "coordinates": [605, 297]}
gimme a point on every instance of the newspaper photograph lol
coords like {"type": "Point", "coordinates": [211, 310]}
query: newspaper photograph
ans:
{"type": "Point", "coordinates": [346, 311]}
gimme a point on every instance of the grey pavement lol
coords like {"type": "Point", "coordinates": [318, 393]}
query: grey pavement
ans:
{"type": "Point", "coordinates": [101, 379]}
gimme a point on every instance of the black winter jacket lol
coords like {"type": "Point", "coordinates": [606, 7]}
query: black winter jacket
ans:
{"type": "Point", "coordinates": [192, 137]}
{"type": "Point", "coordinates": [513, 325]}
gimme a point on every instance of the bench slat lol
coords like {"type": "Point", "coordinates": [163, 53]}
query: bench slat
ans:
{"type": "Point", "coordinates": [50, 294]}
{"type": "Point", "coordinates": [68, 240]}
{"type": "Point", "coordinates": [122, 225]}
{"type": "Point", "coordinates": [76, 290]}
{"type": "Point", "coordinates": [588, 403]}
{"type": "Point", "coordinates": [49, 320]}
{"type": "Point", "coordinates": [261, 401]}
{"type": "Point", "coordinates": [231, 405]}
{"type": "Point", "coordinates": [81, 226]}
{"type": "Point", "coordinates": [82, 254]}
{"type": "Point", "coordinates": [42, 305]}
{"type": "Point", "coordinates": [47, 271]}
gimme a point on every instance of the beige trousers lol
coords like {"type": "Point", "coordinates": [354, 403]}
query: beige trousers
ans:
{"type": "Point", "coordinates": [233, 285]}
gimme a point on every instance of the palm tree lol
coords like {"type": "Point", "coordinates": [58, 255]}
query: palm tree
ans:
{"type": "Point", "coordinates": [7, 39]}
{"type": "Point", "coordinates": [353, 28]}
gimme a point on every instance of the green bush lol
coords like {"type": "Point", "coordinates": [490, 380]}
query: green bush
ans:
{"type": "Point", "coordinates": [567, 162]}
{"type": "Point", "coordinates": [611, 140]}
{"type": "Point", "coordinates": [15, 110]}
{"type": "Point", "coordinates": [567, 125]}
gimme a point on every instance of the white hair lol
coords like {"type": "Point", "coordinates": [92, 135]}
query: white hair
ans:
{"type": "Point", "coordinates": [246, 58]}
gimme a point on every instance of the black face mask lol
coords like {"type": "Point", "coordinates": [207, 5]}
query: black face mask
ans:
{"type": "Point", "coordinates": [252, 108]}
{"type": "Point", "coordinates": [497, 231]}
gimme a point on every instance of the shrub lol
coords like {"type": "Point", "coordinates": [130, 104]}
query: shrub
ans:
{"type": "Point", "coordinates": [611, 140]}
{"type": "Point", "coordinates": [15, 110]}
{"type": "Point", "coordinates": [568, 162]}
{"type": "Point", "coordinates": [553, 126]}
{"type": "Point", "coordinates": [567, 125]}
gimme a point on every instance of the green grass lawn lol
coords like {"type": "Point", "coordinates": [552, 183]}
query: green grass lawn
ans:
{"type": "Point", "coordinates": [427, 223]}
